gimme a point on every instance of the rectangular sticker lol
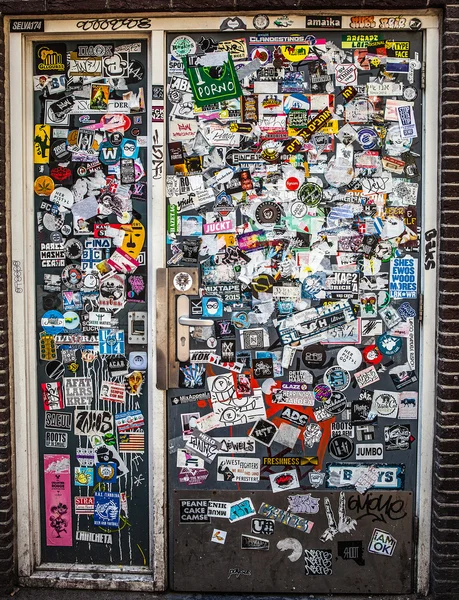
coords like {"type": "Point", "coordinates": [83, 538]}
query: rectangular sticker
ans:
{"type": "Point", "coordinates": [58, 500]}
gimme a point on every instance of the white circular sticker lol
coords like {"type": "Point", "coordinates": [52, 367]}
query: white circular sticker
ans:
{"type": "Point", "coordinates": [183, 281]}
{"type": "Point", "coordinates": [71, 320]}
{"type": "Point", "coordinates": [349, 358]}
{"type": "Point", "coordinates": [182, 45]}
{"type": "Point", "coordinates": [63, 197]}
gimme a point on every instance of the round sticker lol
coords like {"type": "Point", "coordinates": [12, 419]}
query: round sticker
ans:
{"type": "Point", "coordinates": [314, 356]}
{"type": "Point", "coordinates": [385, 404]}
{"type": "Point", "coordinates": [336, 403]}
{"type": "Point", "coordinates": [337, 379]}
{"type": "Point", "coordinates": [136, 72]}
{"type": "Point", "coordinates": [55, 369]}
{"type": "Point", "coordinates": [262, 54]}
{"type": "Point", "coordinates": [116, 138]}
{"type": "Point", "coordinates": [59, 151]}
{"type": "Point", "coordinates": [43, 185]}
{"type": "Point", "coordinates": [183, 281]}
{"type": "Point", "coordinates": [56, 237]}
{"type": "Point", "coordinates": [268, 212]}
{"type": "Point", "coordinates": [389, 344]}
{"type": "Point", "coordinates": [270, 151]}
{"type": "Point", "coordinates": [53, 222]}
{"type": "Point", "coordinates": [341, 447]}
{"type": "Point", "coordinates": [72, 320]}
{"type": "Point", "coordinates": [322, 392]}
{"type": "Point", "coordinates": [298, 209]}
{"type": "Point", "coordinates": [410, 93]}
{"type": "Point", "coordinates": [372, 355]}
{"type": "Point", "coordinates": [349, 357]}
{"type": "Point", "coordinates": [292, 184]}
{"type": "Point", "coordinates": [90, 281]}
{"type": "Point", "coordinates": [310, 193]}
{"type": "Point", "coordinates": [211, 343]}
{"type": "Point", "coordinates": [72, 277]}
{"type": "Point", "coordinates": [73, 249]}
{"type": "Point", "coordinates": [66, 230]}
{"type": "Point", "coordinates": [261, 22]}
{"type": "Point", "coordinates": [63, 197]}
{"type": "Point", "coordinates": [368, 138]}
{"type": "Point", "coordinates": [182, 45]}
{"type": "Point", "coordinates": [53, 322]}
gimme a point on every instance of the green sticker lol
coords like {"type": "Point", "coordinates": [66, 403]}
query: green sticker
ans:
{"type": "Point", "coordinates": [172, 220]}
{"type": "Point", "coordinates": [214, 82]}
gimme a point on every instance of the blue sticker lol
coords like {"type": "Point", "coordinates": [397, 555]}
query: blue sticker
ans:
{"type": "Point", "coordinates": [212, 306]}
{"type": "Point", "coordinates": [191, 226]}
{"type": "Point", "coordinates": [53, 322]}
{"type": "Point", "coordinates": [108, 153]}
{"type": "Point", "coordinates": [106, 472]}
{"type": "Point", "coordinates": [84, 476]}
{"type": "Point", "coordinates": [389, 344]}
{"type": "Point", "coordinates": [111, 341]}
{"type": "Point", "coordinates": [129, 148]}
{"type": "Point", "coordinates": [107, 509]}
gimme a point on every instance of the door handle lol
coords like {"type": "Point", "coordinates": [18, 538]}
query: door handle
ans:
{"type": "Point", "coordinates": [190, 322]}
{"type": "Point", "coordinates": [172, 336]}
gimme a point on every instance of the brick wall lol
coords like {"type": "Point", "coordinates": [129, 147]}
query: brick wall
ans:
{"type": "Point", "coordinates": [445, 549]}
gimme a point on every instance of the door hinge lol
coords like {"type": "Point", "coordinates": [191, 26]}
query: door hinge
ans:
{"type": "Point", "coordinates": [421, 308]}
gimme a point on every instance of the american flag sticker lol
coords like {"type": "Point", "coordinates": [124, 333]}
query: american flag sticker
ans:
{"type": "Point", "coordinates": [132, 441]}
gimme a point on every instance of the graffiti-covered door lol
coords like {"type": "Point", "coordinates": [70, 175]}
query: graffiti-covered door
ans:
{"type": "Point", "coordinates": [90, 189]}
{"type": "Point", "coordinates": [293, 216]}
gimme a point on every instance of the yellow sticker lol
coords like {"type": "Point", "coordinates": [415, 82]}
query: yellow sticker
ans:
{"type": "Point", "coordinates": [230, 238]}
{"type": "Point", "coordinates": [43, 185]}
{"type": "Point", "coordinates": [42, 144]}
{"type": "Point", "coordinates": [134, 238]}
{"type": "Point", "coordinates": [295, 53]}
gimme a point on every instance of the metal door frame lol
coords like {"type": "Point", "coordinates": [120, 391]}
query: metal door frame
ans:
{"type": "Point", "coordinates": [20, 214]}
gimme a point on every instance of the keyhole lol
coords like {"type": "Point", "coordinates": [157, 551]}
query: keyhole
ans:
{"type": "Point", "coordinates": [183, 340]}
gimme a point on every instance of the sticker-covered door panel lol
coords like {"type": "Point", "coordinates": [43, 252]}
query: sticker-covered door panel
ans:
{"type": "Point", "coordinates": [293, 206]}
{"type": "Point", "coordinates": [90, 161]}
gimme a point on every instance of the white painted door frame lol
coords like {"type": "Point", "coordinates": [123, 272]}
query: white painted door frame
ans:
{"type": "Point", "coordinates": [21, 251]}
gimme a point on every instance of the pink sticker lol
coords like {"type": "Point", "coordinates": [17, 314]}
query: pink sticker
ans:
{"type": "Point", "coordinates": [192, 476]}
{"type": "Point", "coordinates": [58, 500]}
{"type": "Point", "coordinates": [218, 227]}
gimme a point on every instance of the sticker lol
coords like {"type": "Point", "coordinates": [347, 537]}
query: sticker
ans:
{"type": "Point", "coordinates": [261, 22]}
{"type": "Point", "coordinates": [285, 517]}
{"type": "Point", "coordinates": [194, 511]}
{"type": "Point", "coordinates": [341, 447]}
{"type": "Point", "coordinates": [218, 536]}
{"type": "Point", "coordinates": [318, 562]}
{"type": "Point", "coordinates": [382, 543]}
{"type": "Point", "coordinates": [218, 509]}
{"type": "Point", "coordinates": [241, 509]}
{"type": "Point", "coordinates": [287, 480]}
{"type": "Point", "coordinates": [250, 542]}
{"type": "Point", "coordinates": [263, 432]}
{"type": "Point", "coordinates": [182, 281]}
{"type": "Point", "coordinates": [369, 452]}
{"type": "Point", "coordinates": [238, 470]}
{"type": "Point", "coordinates": [351, 551]}
{"type": "Point", "coordinates": [304, 503]}
{"type": "Point", "coordinates": [58, 500]}
{"type": "Point", "coordinates": [107, 509]}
